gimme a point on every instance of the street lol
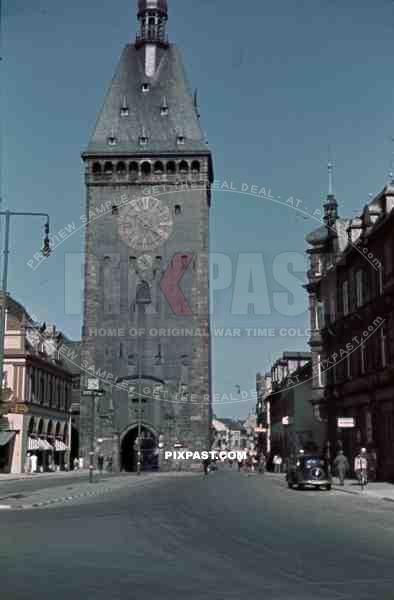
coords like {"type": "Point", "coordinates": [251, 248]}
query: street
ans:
{"type": "Point", "coordinates": [228, 535]}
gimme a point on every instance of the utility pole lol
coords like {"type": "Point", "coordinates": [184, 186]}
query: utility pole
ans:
{"type": "Point", "coordinates": [46, 250]}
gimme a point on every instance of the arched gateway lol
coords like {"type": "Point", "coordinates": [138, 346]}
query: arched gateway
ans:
{"type": "Point", "coordinates": [149, 449]}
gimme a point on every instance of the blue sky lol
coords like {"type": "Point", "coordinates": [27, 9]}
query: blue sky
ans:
{"type": "Point", "coordinates": [278, 84]}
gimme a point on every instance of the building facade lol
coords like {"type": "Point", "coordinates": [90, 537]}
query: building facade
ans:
{"type": "Point", "coordinates": [293, 425]}
{"type": "Point", "coordinates": [351, 300]}
{"type": "Point", "coordinates": [148, 175]}
{"type": "Point", "coordinates": [38, 384]}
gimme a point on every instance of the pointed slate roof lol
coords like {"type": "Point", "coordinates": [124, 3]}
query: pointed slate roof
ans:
{"type": "Point", "coordinates": [169, 84]}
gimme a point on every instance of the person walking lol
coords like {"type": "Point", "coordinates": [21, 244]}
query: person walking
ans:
{"type": "Point", "coordinates": [33, 463]}
{"type": "Point", "coordinates": [205, 464]}
{"type": "Point", "coordinates": [240, 463]}
{"type": "Point", "coordinates": [341, 466]}
{"type": "Point", "coordinates": [100, 463]}
{"type": "Point", "coordinates": [361, 466]}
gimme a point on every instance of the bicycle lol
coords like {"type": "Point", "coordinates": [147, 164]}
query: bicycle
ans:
{"type": "Point", "coordinates": [363, 479]}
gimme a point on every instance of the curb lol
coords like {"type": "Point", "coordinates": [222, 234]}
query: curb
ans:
{"type": "Point", "coordinates": [340, 489]}
{"type": "Point", "coordinates": [60, 500]}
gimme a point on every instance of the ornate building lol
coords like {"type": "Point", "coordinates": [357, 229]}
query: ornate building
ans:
{"type": "Point", "coordinates": [38, 383]}
{"type": "Point", "coordinates": [148, 174]}
{"type": "Point", "coordinates": [352, 320]}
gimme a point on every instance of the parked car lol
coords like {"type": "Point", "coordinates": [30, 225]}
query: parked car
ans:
{"type": "Point", "coordinates": [309, 470]}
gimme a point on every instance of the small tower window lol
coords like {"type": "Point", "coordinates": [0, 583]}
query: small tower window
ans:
{"type": "Point", "coordinates": [183, 167]}
{"type": "Point", "coordinates": [143, 140]}
{"type": "Point", "coordinates": [112, 141]}
{"type": "Point", "coordinates": [177, 210]}
{"type": "Point", "coordinates": [124, 111]}
{"type": "Point", "coordinates": [146, 168]}
{"type": "Point", "coordinates": [145, 87]}
{"type": "Point", "coordinates": [159, 168]}
{"type": "Point", "coordinates": [171, 167]}
{"type": "Point", "coordinates": [121, 168]}
{"type": "Point", "coordinates": [133, 169]}
{"type": "Point", "coordinates": [181, 140]}
{"type": "Point", "coordinates": [164, 111]}
{"type": "Point", "coordinates": [96, 169]}
{"type": "Point", "coordinates": [108, 168]}
{"type": "Point", "coordinates": [196, 166]}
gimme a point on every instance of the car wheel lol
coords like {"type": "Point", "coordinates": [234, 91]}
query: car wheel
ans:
{"type": "Point", "coordinates": [301, 486]}
{"type": "Point", "coordinates": [328, 487]}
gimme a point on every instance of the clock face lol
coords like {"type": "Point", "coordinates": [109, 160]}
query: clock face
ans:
{"type": "Point", "coordinates": [145, 224]}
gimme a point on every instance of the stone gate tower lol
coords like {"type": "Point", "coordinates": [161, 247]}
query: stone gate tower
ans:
{"type": "Point", "coordinates": [148, 175]}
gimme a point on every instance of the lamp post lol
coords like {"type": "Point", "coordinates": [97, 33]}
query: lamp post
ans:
{"type": "Point", "coordinates": [93, 391]}
{"type": "Point", "coordinates": [46, 250]}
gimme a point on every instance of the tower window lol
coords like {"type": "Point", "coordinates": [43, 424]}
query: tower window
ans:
{"type": "Point", "coordinates": [181, 140]}
{"type": "Point", "coordinates": [164, 111]}
{"type": "Point", "coordinates": [108, 168]}
{"type": "Point", "coordinates": [177, 210]}
{"type": "Point", "coordinates": [143, 140]}
{"type": "Point", "coordinates": [146, 168]}
{"type": "Point", "coordinates": [171, 167]}
{"type": "Point", "coordinates": [112, 141]}
{"type": "Point", "coordinates": [96, 169]}
{"type": "Point", "coordinates": [133, 169]}
{"type": "Point", "coordinates": [183, 167]}
{"type": "Point", "coordinates": [158, 168]}
{"type": "Point", "coordinates": [124, 111]}
{"type": "Point", "coordinates": [196, 166]}
{"type": "Point", "coordinates": [121, 168]}
{"type": "Point", "coordinates": [145, 87]}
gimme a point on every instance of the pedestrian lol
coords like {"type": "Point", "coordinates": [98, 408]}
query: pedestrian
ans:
{"type": "Point", "coordinates": [100, 463]}
{"type": "Point", "coordinates": [76, 464]}
{"type": "Point", "coordinates": [240, 463]}
{"type": "Point", "coordinates": [33, 459]}
{"type": "Point", "coordinates": [341, 466]}
{"type": "Point", "coordinates": [361, 465]}
{"type": "Point", "coordinates": [28, 463]}
{"type": "Point", "coordinates": [205, 464]}
{"type": "Point", "coordinates": [80, 462]}
{"type": "Point", "coordinates": [262, 463]}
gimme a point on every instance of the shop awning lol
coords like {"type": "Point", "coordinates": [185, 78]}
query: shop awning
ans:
{"type": "Point", "coordinates": [45, 445]}
{"type": "Point", "coordinates": [6, 437]}
{"type": "Point", "coordinates": [60, 446]}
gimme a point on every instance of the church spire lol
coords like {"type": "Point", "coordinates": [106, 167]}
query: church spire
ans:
{"type": "Point", "coordinates": [153, 17]}
{"type": "Point", "coordinates": [331, 206]}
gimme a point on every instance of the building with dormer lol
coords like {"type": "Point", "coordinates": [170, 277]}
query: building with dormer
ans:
{"type": "Point", "coordinates": [350, 287]}
{"type": "Point", "coordinates": [38, 381]}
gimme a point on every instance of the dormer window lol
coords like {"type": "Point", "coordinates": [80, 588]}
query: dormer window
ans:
{"type": "Point", "coordinates": [143, 140]}
{"type": "Point", "coordinates": [112, 141]}
{"type": "Point", "coordinates": [164, 111]}
{"type": "Point", "coordinates": [124, 111]}
{"type": "Point", "coordinates": [180, 140]}
{"type": "Point", "coordinates": [145, 88]}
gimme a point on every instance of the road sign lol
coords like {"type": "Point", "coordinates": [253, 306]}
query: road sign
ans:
{"type": "Point", "coordinates": [345, 422]}
{"type": "Point", "coordinates": [91, 393]}
{"type": "Point", "coordinates": [93, 384]}
{"type": "Point", "coordinates": [19, 409]}
{"type": "Point", "coordinates": [285, 420]}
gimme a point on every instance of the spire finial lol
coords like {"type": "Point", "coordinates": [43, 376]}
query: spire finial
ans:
{"type": "Point", "coordinates": [153, 16]}
{"type": "Point", "coordinates": [330, 174]}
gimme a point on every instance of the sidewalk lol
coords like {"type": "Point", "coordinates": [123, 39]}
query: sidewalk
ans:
{"type": "Point", "coordinates": [380, 490]}
{"type": "Point", "coordinates": [81, 489]}
{"type": "Point", "coordinates": [24, 476]}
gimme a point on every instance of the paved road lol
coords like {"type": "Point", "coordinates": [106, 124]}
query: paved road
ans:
{"type": "Point", "coordinates": [224, 537]}
{"type": "Point", "coordinates": [39, 482]}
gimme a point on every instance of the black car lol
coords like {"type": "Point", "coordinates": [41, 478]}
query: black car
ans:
{"type": "Point", "coordinates": [309, 470]}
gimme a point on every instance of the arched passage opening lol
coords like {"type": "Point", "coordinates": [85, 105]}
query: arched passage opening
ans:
{"type": "Point", "coordinates": [149, 450]}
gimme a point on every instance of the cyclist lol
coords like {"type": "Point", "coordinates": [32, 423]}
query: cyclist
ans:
{"type": "Point", "coordinates": [361, 466]}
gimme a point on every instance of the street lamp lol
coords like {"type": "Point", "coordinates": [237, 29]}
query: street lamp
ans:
{"type": "Point", "coordinates": [93, 391]}
{"type": "Point", "coordinates": [46, 250]}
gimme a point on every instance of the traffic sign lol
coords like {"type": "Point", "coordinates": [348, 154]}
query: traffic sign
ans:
{"type": "Point", "coordinates": [346, 422]}
{"type": "Point", "coordinates": [92, 393]}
